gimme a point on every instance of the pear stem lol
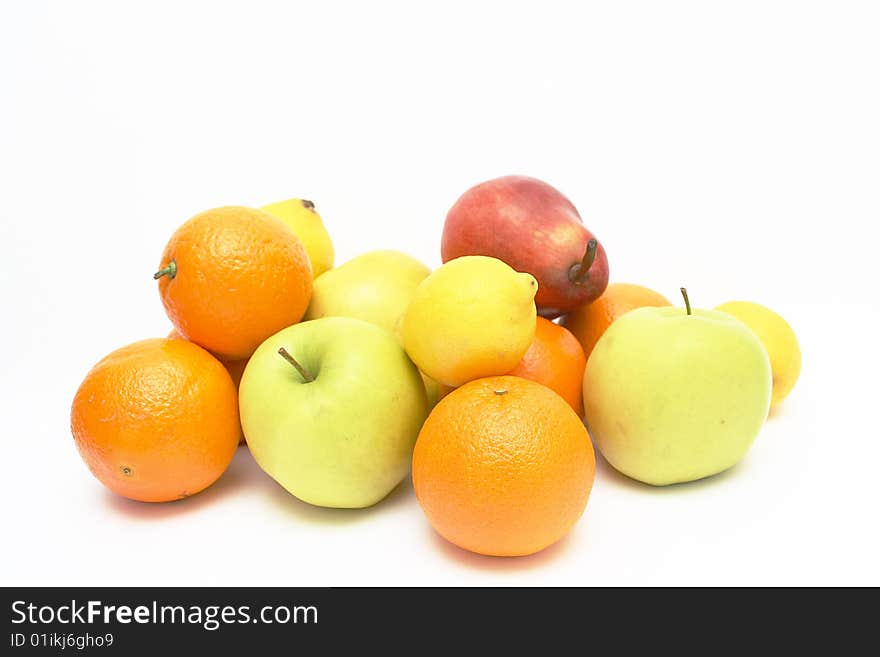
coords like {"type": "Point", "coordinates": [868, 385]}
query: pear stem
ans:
{"type": "Point", "coordinates": [169, 270]}
{"type": "Point", "coordinates": [579, 272]}
{"type": "Point", "coordinates": [308, 378]}
{"type": "Point", "coordinates": [687, 303]}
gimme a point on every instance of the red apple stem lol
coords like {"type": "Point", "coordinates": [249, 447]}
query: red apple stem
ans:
{"type": "Point", "coordinates": [308, 378]}
{"type": "Point", "coordinates": [687, 303]}
{"type": "Point", "coordinates": [579, 272]}
{"type": "Point", "coordinates": [169, 270]}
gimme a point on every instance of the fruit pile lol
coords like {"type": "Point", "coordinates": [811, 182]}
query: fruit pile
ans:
{"type": "Point", "coordinates": [480, 377]}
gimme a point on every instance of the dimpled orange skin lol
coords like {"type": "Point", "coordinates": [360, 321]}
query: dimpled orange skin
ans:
{"type": "Point", "coordinates": [241, 276]}
{"type": "Point", "coordinates": [503, 467]}
{"type": "Point", "coordinates": [157, 420]}
{"type": "Point", "coordinates": [588, 322]}
{"type": "Point", "coordinates": [234, 367]}
{"type": "Point", "coordinates": [555, 359]}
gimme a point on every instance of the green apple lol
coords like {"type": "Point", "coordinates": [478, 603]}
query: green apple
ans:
{"type": "Point", "coordinates": [673, 395]}
{"type": "Point", "coordinates": [375, 287]}
{"type": "Point", "coordinates": [331, 410]}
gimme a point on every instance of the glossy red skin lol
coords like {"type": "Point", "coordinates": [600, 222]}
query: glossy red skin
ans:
{"type": "Point", "coordinates": [532, 227]}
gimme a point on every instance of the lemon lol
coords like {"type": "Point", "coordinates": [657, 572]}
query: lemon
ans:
{"type": "Point", "coordinates": [778, 339]}
{"type": "Point", "coordinates": [302, 218]}
{"type": "Point", "coordinates": [473, 317]}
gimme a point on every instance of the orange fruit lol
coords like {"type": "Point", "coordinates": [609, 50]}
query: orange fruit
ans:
{"type": "Point", "coordinates": [233, 276]}
{"type": "Point", "coordinates": [503, 466]}
{"type": "Point", "coordinates": [157, 420]}
{"type": "Point", "coordinates": [234, 367]}
{"type": "Point", "coordinates": [556, 359]}
{"type": "Point", "coordinates": [588, 322]}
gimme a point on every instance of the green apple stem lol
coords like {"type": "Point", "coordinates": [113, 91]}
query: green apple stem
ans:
{"type": "Point", "coordinates": [579, 272]}
{"type": "Point", "coordinates": [687, 303]}
{"type": "Point", "coordinates": [308, 378]}
{"type": "Point", "coordinates": [308, 205]}
{"type": "Point", "coordinates": [169, 270]}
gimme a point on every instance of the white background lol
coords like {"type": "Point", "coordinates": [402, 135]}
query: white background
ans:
{"type": "Point", "coordinates": [731, 147]}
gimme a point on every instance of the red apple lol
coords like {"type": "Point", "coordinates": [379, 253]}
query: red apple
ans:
{"type": "Point", "coordinates": [534, 228]}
